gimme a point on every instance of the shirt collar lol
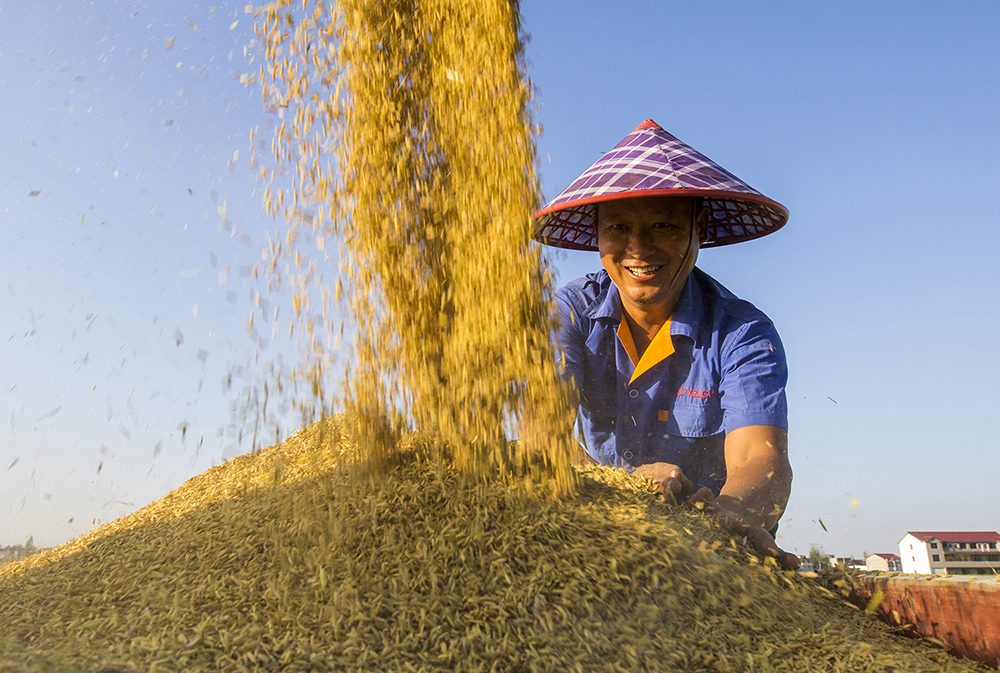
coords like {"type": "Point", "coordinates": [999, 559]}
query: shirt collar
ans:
{"type": "Point", "coordinates": [607, 304]}
{"type": "Point", "coordinates": [687, 314]}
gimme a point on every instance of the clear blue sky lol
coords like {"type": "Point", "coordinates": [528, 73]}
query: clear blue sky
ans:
{"type": "Point", "coordinates": [874, 123]}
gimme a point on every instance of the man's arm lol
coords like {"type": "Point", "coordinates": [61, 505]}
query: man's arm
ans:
{"type": "Point", "coordinates": [758, 481]}
{"type": "Point", "coordinates": [758, 475]}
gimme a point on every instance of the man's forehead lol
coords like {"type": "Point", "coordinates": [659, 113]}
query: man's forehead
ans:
{"type": "Point", "coordinates": [663, 206]}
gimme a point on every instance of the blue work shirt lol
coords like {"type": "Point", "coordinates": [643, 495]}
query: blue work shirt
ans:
{"type": "Point", "coordinates": [726, 371]}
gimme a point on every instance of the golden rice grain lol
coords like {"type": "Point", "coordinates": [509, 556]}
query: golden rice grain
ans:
{"type": "Point", "coordinates": [280, 561]}
{"type": "Point", "coordinates": [406, 129]}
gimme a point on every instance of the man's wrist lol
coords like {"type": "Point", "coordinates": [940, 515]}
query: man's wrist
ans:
{"type": "Point", "coordinates": [735, 505]}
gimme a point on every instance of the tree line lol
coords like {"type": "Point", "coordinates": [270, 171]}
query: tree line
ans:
{"type": "Point", "coordinates": [17, 552]}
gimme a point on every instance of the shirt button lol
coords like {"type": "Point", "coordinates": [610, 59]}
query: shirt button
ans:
{"type": "Point", "coordinates": [633, 393]}
{"type": "Point", "coordinates": [627, 455]}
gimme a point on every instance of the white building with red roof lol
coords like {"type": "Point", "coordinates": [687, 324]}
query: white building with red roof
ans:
{"type": "Point", "coordinates": [951, 553]}
{"type": "Point", "coordinates": [887, 563]}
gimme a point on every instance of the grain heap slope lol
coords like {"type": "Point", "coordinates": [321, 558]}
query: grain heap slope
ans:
{"type": "Point", "coordinates": [281, 561]}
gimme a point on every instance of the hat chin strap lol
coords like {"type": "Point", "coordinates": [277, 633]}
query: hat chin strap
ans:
{"type": "Point", "coordinates": [687, 252]}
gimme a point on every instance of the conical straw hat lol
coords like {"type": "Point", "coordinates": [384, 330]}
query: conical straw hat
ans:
{"type": "Point", "coordinates": [651, 162]}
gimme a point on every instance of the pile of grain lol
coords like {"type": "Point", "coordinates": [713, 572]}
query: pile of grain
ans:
{"type": "Point", "coordinates": [280, 561]}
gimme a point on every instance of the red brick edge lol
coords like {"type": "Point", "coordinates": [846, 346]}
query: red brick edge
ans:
{"type": "Point", "coordinates": [963, 614]}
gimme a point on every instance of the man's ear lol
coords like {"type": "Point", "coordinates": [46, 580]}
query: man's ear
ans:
{"type": "Point", "coordinates": [702, 223]}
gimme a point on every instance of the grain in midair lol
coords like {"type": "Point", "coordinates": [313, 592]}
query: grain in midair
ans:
{"type": "Point", "coordinates": [407, 128]}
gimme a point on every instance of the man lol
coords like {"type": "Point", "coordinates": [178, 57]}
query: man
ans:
{"type": "Point", "coordinates": [676, 377]}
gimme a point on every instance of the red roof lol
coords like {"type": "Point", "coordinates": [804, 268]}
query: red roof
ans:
{"type": "Point", "coordinates": [961, 536]}
{"type": "Point", "coordinates": [888, 557]}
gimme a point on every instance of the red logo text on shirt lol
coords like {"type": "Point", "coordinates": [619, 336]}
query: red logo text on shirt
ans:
{"type": "Point", "coordinates": [700, 394]}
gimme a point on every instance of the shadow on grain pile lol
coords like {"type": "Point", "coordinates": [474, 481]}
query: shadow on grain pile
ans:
{"type": "Point", "coordinates": [281, 561]}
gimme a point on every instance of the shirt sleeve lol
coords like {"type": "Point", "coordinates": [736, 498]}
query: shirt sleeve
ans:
{"type": "Point", "coordinates": [754, 375]}
{"type": "Point", "coordinates": [571, 339]}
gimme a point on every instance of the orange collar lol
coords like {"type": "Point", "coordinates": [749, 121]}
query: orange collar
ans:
{"type": "Point", "coordinates": [659, 349]}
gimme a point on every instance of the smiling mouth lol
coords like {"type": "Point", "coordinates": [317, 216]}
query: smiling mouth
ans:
{"type": "Point", "coordinates": [643, 271]}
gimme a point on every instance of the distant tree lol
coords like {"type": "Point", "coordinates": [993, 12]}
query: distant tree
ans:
{"type": "Point", "coordinates": [16, 552]}
{"type": "Point", "coordinates": [819, 558]}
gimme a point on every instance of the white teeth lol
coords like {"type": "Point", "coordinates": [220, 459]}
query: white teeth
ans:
{"type": "Point", "coordinates": [643, 270]}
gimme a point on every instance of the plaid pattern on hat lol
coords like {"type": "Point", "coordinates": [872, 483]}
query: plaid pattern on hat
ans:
{"type": "Point", "coordinates": [651, 162]}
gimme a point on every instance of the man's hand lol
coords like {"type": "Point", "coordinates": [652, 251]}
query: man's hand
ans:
{"type": "Point", "coordinates": [759, 539]}
{"type": "Point", "coordinates": [671, 482]}
{"type": "Point", "coordinates": [669, 479]}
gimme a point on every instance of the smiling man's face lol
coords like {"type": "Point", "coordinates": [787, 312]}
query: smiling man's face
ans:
{"type": "Point", "coordinates": [642, 243]}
